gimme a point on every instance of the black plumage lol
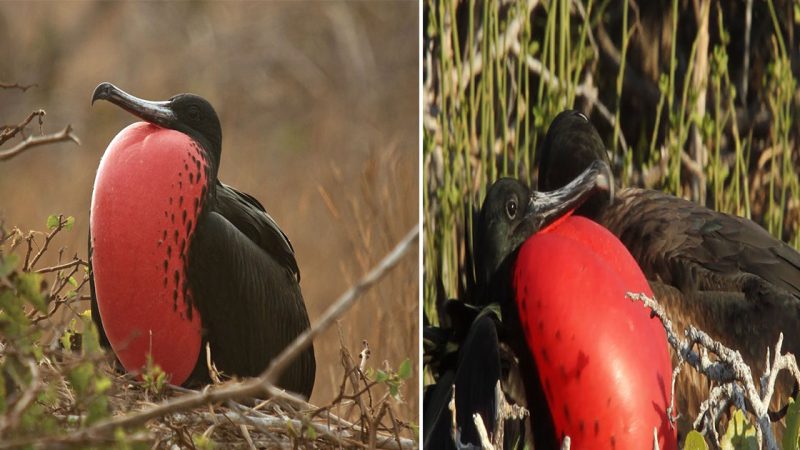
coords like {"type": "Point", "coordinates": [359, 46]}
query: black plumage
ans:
{"type": "Point", "coordinates": [240, 266]}
{"type": "Point", "coordinates": [479, 349]}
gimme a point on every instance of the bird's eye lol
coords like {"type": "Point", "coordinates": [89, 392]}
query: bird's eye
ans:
{"type": "Point", "coordinates": [194, 112]}
{"type": "Point", "coordinates": [511, 208]}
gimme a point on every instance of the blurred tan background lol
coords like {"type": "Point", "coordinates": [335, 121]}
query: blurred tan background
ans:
{"type": "Point", "coordinates": [318, 104]}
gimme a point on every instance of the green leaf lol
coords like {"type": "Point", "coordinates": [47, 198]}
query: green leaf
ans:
{"type": "Point", "coordinates": [73, 281]}
{"type": "Point", "coordinates": [98, 409]}
{"type": "Point", "coordinates": [404, 372]}
{"type": "Point", "coordinates": [740, 434]}
{"type": "Point", "coordinates": [48, 396]}
{"type": "Point", "coordinates": [52, 221]}
{"type": "Point", "coordinates": [695, 441]}
{"type": "Point", "coordinates": [102, 384]}
{"type": "Point", "coordinates": [90, 340]}
{"type": "Point", "coordinates": [80, 377]}
{"type": "Point", "coordinates": [311, 433]}
{"type": "Point", "coordinates": [202, 442]}
{"type": "Point", "coordinates": [8, 264]}
{"type": "Point", "coordinates": [66, 340]}
{"type": "Point", "coordinates": [30, 287]}
{"type": "Point", "coordinates": [792, 433]}
{"type": "Point", "coordinates": [69, 223]}
{"type": "Point", "coordinates": [381, 376]}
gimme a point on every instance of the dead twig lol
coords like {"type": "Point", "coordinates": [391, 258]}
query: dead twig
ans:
{"type": "Point", "coordinates": [21, 87]}
{"type": "Point", "coordinates": [34, 141]}
{"type": "Point", "coordinates": [75, 262]}
{"type": "Point", "coordinates": [9, 132]}
{"type": "Point", "coordinates": [734, 379]}
{"type": "Point", "coordinates": [29, 263]}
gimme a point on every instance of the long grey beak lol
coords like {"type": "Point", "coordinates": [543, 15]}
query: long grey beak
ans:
{"type": "Point", "coordinates": [158, 113]}
{"type": "Point", "coordinates": [544, 208]}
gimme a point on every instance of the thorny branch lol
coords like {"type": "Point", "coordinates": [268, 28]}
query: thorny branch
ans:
{"type": "Point", "coordinates": [734, 379]}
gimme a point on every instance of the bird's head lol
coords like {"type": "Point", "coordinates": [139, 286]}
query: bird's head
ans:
{"type": "Point", "coordinates": [569, 147]}
{"type": "Point", "coordinates": [188, 113]}
{"type": "Point", "coordinates": [512, 212]}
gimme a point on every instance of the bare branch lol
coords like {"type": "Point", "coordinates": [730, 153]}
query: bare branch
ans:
{"type": "Point", "coordinates": [734, 378]}
{"type": "Point", "coordinates": [9, 132]}
{"type": "Point", "coordinates": [34, 141]}
{"type": "Point", "coordinates": [21, 87]}
{"type": "Point", "coordinates": [75, 262]}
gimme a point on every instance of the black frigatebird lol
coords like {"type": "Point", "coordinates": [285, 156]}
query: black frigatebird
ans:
{"type": "Point", "coordinates": [594, 366]}
{"type": "Point", "coordinates": [180, 260]}
{"type": "Point", "coordinates": [722, 273]}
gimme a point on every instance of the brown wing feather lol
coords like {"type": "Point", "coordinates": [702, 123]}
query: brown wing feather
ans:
{"type": "Point", "coordinates": [693, 248]}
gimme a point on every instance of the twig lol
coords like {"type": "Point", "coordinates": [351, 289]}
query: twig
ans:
{"type": "Point", "coordinates": [21, 87]}
{"type": "Point", "coordinates": [734, 377]}
{"type": "Point", "coordinates": [341, 306]}
{"type": "Point", "coordinates": [9, 132]}
{"type": "Point", "coordinates": [486, 443]}
{"type": "Point", "coordinates": [75, 262]}
{"type": "Point", "coordinates": [34, 141]}
{"type": "Point", "coordinates": [505, 411]}
{"type": "Point", "coordinates": [48, 237]}
{"type": "Point", "coordinates": [264, 384]}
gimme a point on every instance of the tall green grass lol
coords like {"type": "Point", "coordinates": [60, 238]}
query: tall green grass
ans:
{"type": "Point", "coordinates": [499, 73]}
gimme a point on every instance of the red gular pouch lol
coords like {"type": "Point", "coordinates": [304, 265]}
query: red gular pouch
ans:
{"type": "Point", "coordinates": [144, 213]}
{"type": "Point", "coordinates": [603, 362]}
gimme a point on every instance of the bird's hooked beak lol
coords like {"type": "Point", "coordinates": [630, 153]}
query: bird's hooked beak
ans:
{"type": "Point", "coordinates": [545, 208]}
{"type": "Point", "coordinates": [158, 113]}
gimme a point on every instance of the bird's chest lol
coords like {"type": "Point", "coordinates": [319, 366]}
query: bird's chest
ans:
{"type": "Point", "coordinates": [147, 198]}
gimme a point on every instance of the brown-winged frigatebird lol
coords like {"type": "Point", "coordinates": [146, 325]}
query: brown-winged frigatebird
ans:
{"type": "Point", "coordinates": [594, 366]}
{"type": "Point", "coordinates": [180, 260]}
{"type": "Point", "coordinates": [722, 273]}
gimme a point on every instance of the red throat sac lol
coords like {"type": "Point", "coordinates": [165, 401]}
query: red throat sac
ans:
{"type": "Point", "coordinates": [147, 198]}
{"type": "Point", "coordinates": [603, 361]}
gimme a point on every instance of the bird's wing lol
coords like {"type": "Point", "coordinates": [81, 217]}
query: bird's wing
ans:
{"type": "Point", "coordinates": [475, 378]}
{"type": "Point", "coordinates": [249, 216]}
{"type": "Point", "coordinates": [250, 304]}
{"type": "Point", "coordinates": [691, 247]}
